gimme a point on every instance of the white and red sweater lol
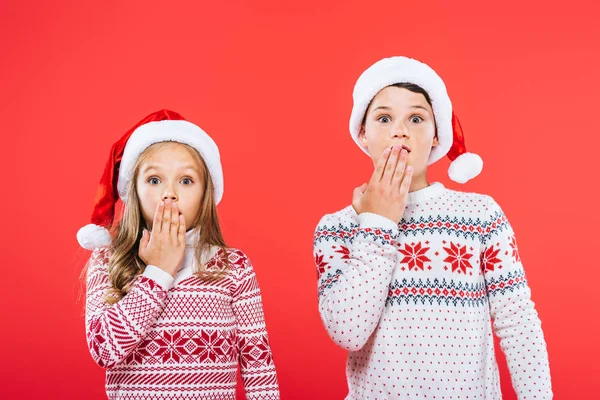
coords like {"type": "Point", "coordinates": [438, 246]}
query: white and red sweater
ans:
{"type": "Point", "coordinates": [181, 338]}
{"type": "Point", "coordinates": [414, 302]}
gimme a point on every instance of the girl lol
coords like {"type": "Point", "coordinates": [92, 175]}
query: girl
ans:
{"type": "Point", "coordinates": [171, 311]}
{"type": "Point", "coordinates": [412, 274]}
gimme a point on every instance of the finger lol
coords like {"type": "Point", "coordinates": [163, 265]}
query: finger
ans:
{"type": "Point", "coordinates": [359, 191]}
{"type": "Point", "coordinates": [400, 167]}
{"type": "Point", "coordinates": [181, 233]}
{"type": "Point", "coordinates": [166, 218]}
{"type": "Point", "coordinates": [380, 166]}
{"type": "Point", "coordinates": [390, 166]}
{"type": "Point", "coordinates": [145, 239]}
{"type": "Point", "coordinates": [405, 186]}
{"type": "Point", "coordinates": [143, 244]}
{"type": "Point", "coordinates": [173, 230]}
{"type": "Point", "coordinates": [158, 215]}
{"type": "Point", "coordinates": [356, 194]}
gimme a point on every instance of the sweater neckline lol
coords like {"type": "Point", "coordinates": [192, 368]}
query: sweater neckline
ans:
{"type": "Point", "coordinates": [429, 192]}
{"type": "Point", "coordinates": [190, 237]}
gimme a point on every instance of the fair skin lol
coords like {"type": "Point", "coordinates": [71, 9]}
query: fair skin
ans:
{"type": "Point", "coordinates": [169, 186]}
{"type": "Point", "coordinates": [398, 133]}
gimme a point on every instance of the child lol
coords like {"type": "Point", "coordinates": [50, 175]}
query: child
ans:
{"type": "Point", "coordinates": [171, 310]}
{"type": "Point", "coordinates": [412, 274]}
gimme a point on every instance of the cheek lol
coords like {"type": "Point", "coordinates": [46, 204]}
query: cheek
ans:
{"type": "Point", "coordinates": [421, 150]}
{"type": "Point", "coordinates": [375, 153]}
{"type": "Point", "coordinates": [425, 135]}
{"type": "Point", "coordinates": [377, 140]}
{"type": "Point", "coordinates": [375, 130]}
{"type": "Point", "coordinates": [418, 160]}
{"type": "Point", "coordinates": [148, 203]}
{"type": "Point", "coordinates": [148, 211]}
{"type": "Point", "coordinates": [190, 202]}
{"type": "Point", "coordinates": [429, 131]}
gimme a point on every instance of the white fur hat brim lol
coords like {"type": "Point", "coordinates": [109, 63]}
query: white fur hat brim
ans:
{"type": "Point", "coordinates": [180, 131]}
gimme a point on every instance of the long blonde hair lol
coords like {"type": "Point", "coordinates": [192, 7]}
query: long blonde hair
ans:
{"type": "Point", "coordinates": [125, 264]}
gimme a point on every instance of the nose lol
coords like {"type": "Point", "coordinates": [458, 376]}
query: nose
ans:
{"type": "Point", "coordinates": [170, 195]}
{"type": "Point", "coordinates": [400, 131]}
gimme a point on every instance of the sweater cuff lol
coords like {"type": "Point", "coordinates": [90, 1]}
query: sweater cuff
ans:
{"type": "Point", "coordinates": [370, 220]}
{"type": "Point", "coordinates": [164, 279]}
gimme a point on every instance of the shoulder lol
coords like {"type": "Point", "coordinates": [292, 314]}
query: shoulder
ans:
{"type": "Point", "coordinates": [239, 267]}
{"type": "Point", "coordinates": [336, 227]}
{"type": "Point", "coordinates": [490, 216]}
{"type": "Point", "coordinates": [235, 259]}
{"type": "Point", "coordinates": [100, 256]}
{"type": "Point", "coordinates": [97, 265]}
{"type": "Point", "coordinates": [478, 198]}
{"type": "Point", "coordinates": [483, 202]}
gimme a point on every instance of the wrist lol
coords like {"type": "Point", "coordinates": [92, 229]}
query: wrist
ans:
{"type": "Point", "coordinates": [160, 276]}
{"type": "Point", "coordinates": [374, 220]}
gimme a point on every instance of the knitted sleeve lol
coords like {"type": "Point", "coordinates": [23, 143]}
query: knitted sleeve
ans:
{"type": "Point", "coordinates": [113, 331]}
{"type": "Point", "coordinates": [515, 320]}
{"type": "Point", "coordinates": [254, 351]}
{"type": "Point", "coordinates": [355, 264]}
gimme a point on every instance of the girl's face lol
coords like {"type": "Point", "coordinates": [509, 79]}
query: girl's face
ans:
{"type": "Point", "coordinates": [400, 117]}
{"type": "Point", "coordinates": [170, 173]}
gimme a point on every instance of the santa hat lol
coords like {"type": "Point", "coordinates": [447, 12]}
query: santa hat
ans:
{"type": "Point", "coordinates": [160, 126]}
{"type": "Point", "coordinates": [394, 70]}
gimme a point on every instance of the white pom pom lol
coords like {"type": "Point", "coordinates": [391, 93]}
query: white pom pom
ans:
{"type": "Point", "coordinates": [93, 236]}
{"type": "Point", "coordinates": [466, 166]}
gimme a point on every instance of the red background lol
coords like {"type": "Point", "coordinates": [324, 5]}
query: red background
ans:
{"type": "Point", "coordinates": [271, 81]}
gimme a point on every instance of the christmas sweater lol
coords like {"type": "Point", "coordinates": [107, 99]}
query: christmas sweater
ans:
{"type": "Point", "coordinates": [181, 338]}
{"type": "Point", "coordinates": [416, 304]}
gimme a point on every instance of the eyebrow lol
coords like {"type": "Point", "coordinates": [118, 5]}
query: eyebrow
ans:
{"type": "Point", "coordinates": [388, 108]}
{"type": "Point", "coordinates": [184, 168]}
{"type": "Point", "coordinates": [148, 168]}
{"type": "Point", "coordinates": [421, 107]}
{"type": "Point", "coordinates": [381, 108]}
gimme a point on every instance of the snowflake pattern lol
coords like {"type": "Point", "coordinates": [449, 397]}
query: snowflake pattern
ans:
{"type": "Point", "coordinates": [458, 257]}
{"type": "Point", "coordinates": [414, 256]}
{"type": "Point", "coordinates": [489, 259]}
{"type": "Point", "coordinates": [255, 351]}
{"type": "Point", "coordinates": [344, 251]}
{"type": "Point", "coordinates": [515, 249]}
{"type": "Point", "coordinates": [321, 264]}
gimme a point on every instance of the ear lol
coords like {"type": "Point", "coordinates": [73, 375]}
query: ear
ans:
{"type": "Point", "coordinates": [362, 137]}
{"type": "Point", "coordinates": [436, 142]}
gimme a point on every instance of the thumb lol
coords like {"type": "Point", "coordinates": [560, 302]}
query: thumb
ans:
{"type": "Point", "coordinates": [359, 191]}
{"type": "Point", "coordinates": [145, 239]}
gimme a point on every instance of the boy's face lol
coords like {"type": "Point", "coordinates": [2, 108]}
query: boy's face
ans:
{"type": "Point", "coordinates": [398, 116]}
{"type": "Point", "coordinates": [171, 172]}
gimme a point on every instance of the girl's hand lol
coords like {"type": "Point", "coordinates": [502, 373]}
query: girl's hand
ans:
{"type": "Point", "coordinates": [387, 191]}
{"type": "Point", "coordinates": [164, 247]}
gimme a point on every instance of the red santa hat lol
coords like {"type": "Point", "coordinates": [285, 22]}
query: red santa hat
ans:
{"type": "Point", "coordinates": [160, 126]}
{"type": "Point", "coordinates": [390, 71]}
